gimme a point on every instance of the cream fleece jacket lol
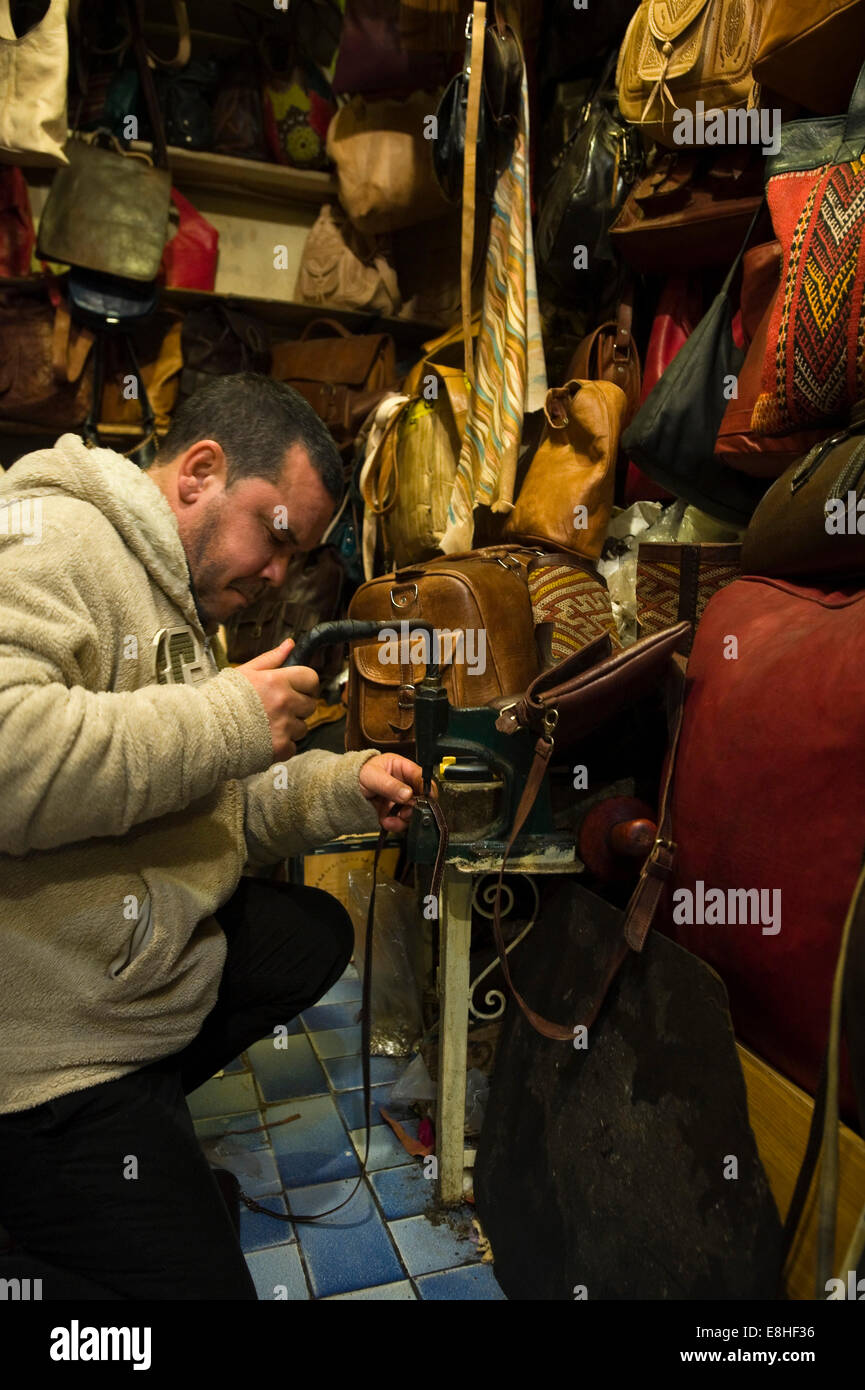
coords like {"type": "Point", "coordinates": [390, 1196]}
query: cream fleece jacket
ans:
{"type": "Point", "coordinates": [136, 780]}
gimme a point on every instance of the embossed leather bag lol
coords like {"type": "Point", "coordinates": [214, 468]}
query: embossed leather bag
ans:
{"type": "Point", "coordinates": [574, 467]}
{"type": "Point", "coordinates": [815, 357]}
{"type": "Point", "coordinates": [678, 52]}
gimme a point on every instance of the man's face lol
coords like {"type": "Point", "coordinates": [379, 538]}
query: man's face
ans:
{"type": "Point", "coordinates": [239, 542]}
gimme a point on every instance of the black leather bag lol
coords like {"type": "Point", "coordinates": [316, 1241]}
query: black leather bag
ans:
{"type": "Point", "coordinates": [219, 341]}
{"type": "Point", "coordinates": [498, 119]}
{"type": "Point", "coordinates": [593, 175]}
{"type": "Point", "coordinates": [672, 436]}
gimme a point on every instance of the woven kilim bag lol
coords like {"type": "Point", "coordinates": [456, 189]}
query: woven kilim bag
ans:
{"type": "Point", "coordinates": [814, 368]}
{"type": "Point", "coordinates": [571, 607]}
{"type": "Point", "coordinates": [675, 582]}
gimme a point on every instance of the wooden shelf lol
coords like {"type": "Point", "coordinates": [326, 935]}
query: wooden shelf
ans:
{"type": "Point", "coordinates": [24, 427]}
{"type": "Point", "coordinates": [226, 173]}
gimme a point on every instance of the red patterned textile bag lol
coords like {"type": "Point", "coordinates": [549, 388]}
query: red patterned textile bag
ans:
{"type": "Point", "coordinates": [814, 368]}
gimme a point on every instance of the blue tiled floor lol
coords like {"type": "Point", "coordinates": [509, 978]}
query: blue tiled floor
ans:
{"type": "Point", "coordinates": [380, 1246]}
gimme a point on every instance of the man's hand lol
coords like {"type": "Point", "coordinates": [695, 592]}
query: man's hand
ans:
{"type": "Point", "coordinates": [388, 778]}
{"type": "Point", "coordinates": [288, 696]}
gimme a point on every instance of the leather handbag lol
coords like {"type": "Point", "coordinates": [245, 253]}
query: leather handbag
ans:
{"type": "Point", "coordinates": [46, 377]}
{"type": "Point", "coordinates": [498, 113]}
{"type": "Point", "coordinates": [342, 375]}
{"type": "Point", "coordinates": [107, 211]}
{"type": "Point", "coordinates": [593, 175]}
{"type": "Point", "coordinates": [371, 57]}
{"type": "Point", "coordinates": [17, 235]}
{"type": "Point", "coordinates": [677, 314]}
{"type": "Point", "coordinates": [566, 499]}
{"type": "Point", "coordinates": [814, 369]}
{"type": "Point", "coordinates": [791, 534]}
{"type": "Point", "coordinates": [341, 268]}
{"type": "Point", "coordinates": [773, 810]}
{"type": "Point", "coordinates": [482, 595]}
{"type": "Point", "coordinates": [688, 209]}
{"type": "Point", "coordinates": [810, 51]}
{"type": "Point", "coordinates": [678, 52]}
{"type": "Point", "coordinates": [189, 258]}
{"type": "Point", "coordinates": [384, 164]}
{"type": "Point", "coordinates": [157, 349]}
{"type": "Point", "coordinates": [672, 437]}
{"type": "Point", "coordinates": [738, 445]}
{"type": "Point", "coordinates": [221, 341]}
{"type": "Point", "coordinates": [675, 582]}
{"type": "Point", "coordinates": [563, 706]}
{"type": "Point", "coordinates": [33, 72]}
{"type": "Point", "coordinates": [609, 353]}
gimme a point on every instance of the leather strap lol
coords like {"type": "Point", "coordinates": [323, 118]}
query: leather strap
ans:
{"type": "Point", "coordinates": [160, 149]}
{"type": "Point", "coordinates": [473, 109]}
{"type": "Point", "coordinates": [366, 1010]}
{"type": "Point", "coordinates": [184, 41]}
{"type": "Point", "coordinates": [68, 362]}
{"type": "Point", "coordinates": [646, 895]}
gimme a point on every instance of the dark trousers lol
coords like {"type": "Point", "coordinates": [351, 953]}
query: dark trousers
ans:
{"type": "Point", "coordinates": [89, 1230]}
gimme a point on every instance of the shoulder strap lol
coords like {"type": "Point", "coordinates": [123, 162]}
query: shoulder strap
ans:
{"type": "Point", "coordinates": [473, 110]}
{"type": "Point", "coordinates": [646, 895]}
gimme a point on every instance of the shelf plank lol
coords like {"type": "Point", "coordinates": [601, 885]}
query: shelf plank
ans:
{"type": "Point", "coordinates": [226, 173]}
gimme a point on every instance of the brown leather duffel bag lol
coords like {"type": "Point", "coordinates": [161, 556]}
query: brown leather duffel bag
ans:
{"type": "Point", "coordinates": [343, 376]}
{"type": "Point", "coordinates": [480, 607]}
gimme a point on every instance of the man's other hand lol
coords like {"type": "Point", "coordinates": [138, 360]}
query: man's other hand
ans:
{"type": "Point", "coordinates": [389, 779]}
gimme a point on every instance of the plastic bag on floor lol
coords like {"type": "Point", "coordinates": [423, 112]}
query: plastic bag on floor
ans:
{"type": "Point", "coordinates": [396, 1023]}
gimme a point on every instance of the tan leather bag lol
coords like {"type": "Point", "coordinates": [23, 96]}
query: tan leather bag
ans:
{"type": "Point", "coordinates": [157, 348]}
{"type": "Point", "coordinates": [384, 163]}
{"type": "Point", "coordinates": [484, 596]}
{"type": "Point", "coordinates": [45, 375]}
{"type": "Point", "coordinates": [676, 52]}
{"type": "Point", "coordinates": [610, 354]}
{"type": "Point", "coordinates": [343, 376]}
{"type": "Point", "coordinates": [342, 269]}
{"type": "Point", "coordinates": [567, 495]}
{"type": "Point", "coordinates": [811, 51]}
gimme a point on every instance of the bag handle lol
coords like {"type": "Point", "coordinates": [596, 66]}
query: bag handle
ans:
{"type": "Point", "coordinates": [654, 874]}
{"type": "Point", "coordinates": [336, 328]}
{"type": "Point", "coordinates": [476, 28]}
{"type": "Point", "coordinates": [160, 148]}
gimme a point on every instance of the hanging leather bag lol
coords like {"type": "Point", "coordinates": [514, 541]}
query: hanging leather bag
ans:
{"type": "Point", "coordinates": [107, 210]}
{"type": "Point", "coordinates": [342, 375]}
{"type": "Point", "coordinates": [672, 436]}
{"type": "Point", "coordinates": [384, 162]}
{"type": "Point", "coordinates": [498, 113]}
{"type": "Point", "coordinates": [46, 377]}
{"type": "Point", "coordinates": [33, 71]}
{"type": "Point", "coordinates": [810, 51]}
{"type": "Point", "coordinates": [814, 369]}
{"type": "Point", "coordinates": [593, 176]}
{"type": "Point", "coordinates": [678, 52]}
{"type": "Point", "coordinates": [609, 353]}
{"type": "Point", "coordinates": [566, 499]}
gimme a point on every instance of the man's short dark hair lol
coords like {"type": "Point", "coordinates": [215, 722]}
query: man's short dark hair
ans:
{"type": "Point", "coordinates": [255, 419]}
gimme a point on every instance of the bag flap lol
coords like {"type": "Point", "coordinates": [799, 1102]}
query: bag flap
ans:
{"type": "Point", "coordinates": [347, 361]}
{"type": "Point", "coordinates": [670, 18]}
{"type": "Point", "coordinates": [367, 659]}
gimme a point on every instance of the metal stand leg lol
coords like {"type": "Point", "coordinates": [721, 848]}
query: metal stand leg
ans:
{"type": "Point", "coordinates": [454, 938]}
